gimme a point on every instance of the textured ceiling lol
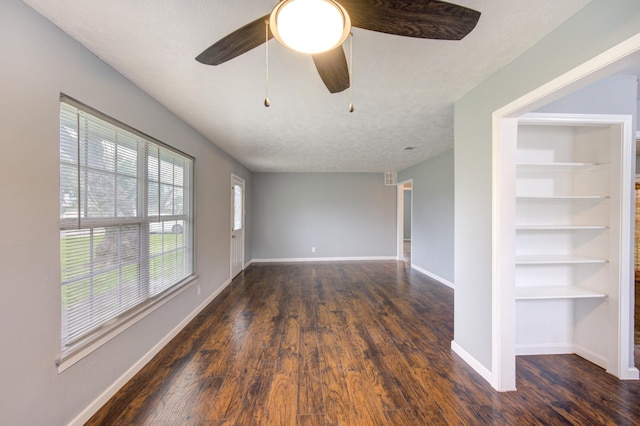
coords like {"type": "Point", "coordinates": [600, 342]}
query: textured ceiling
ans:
{"type": "Point", "coordinates": [403, 88]}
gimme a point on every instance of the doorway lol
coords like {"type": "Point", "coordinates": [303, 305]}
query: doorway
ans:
{"type": "Point", "coordinates": [405, 211]}
{"type": "Point", "coordinates": [407, 225]}
{"type": "Point", "coordinates": [237, 225]}
{"type": "Point", "coordinates": [505, 122]}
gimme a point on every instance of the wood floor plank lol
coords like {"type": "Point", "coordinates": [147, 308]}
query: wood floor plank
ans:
{"type": "Point", "coordinates": [414, 391]}
{"type": "Point", "coordinates": [282, 400]}
{"type": "Point", "coordinates": [311, 400]}
{"type": "Point", "coordinates": [312, 420]}
{"type": "Point", "coordinates": [310, 396]}
{"type": "Point", "coordinates": [365, 389]}
{"type": "Point", "coordinates": [350, 343]}
{"type": "Point", "coordinates": [367, 408]}
{"type": "Point", "coordinates": [337, 401]}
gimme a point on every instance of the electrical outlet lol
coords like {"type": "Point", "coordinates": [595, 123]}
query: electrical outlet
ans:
{"type": "Point", "coordinates": [313, 249]}
{"type": "Point", "coordinates": [199, 289]}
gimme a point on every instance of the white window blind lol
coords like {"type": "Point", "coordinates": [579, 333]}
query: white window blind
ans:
{"type": "Point", "coordinates": [126, 234]}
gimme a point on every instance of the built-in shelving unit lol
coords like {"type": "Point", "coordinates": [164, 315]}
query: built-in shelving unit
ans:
{"type": "Point", "coordinates": [568, 246]}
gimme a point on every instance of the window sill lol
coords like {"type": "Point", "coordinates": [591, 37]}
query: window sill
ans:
{"type": "Point", "coordinates": [103, 335]}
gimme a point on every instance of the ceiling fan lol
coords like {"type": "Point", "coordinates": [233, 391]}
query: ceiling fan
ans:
{"type": "Point", "coordinates": [432, 19]}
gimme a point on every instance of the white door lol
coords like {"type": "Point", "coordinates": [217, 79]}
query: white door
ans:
{"type": "Point", "coordinates": [237, 225]}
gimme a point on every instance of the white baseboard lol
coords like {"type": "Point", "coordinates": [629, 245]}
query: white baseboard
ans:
{"type": "Point", "coordinates": [546, 349]}
{"type": "Point", "coordinates": [92, 408]}
{"type": "Point", "coordinates": [630, 373]}
{"type": "Point", "coordinates": [434, 276]}
{"type": "Point", "coordinates": [474, 363]}
{"type": "Point", "coordinates": [591, 356]}
{"type": "Point", "coordinates": [323, 259]}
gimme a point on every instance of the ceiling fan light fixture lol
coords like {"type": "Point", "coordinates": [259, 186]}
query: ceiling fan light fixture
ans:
{"type": "Point", "coordinates": [310, 26]}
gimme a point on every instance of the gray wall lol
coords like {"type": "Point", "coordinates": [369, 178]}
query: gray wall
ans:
{"type": "Point", "coordinates": [406, 220]}
{"type": "Point", "coordinates": [591, 31]}
{"type": "Point", "coordinates": [340, 214]}
{"type": "Point", "coordinates": [39, 62]}
{"type": "Point", "coordinates": [612, 95]}
{"type": "Point", "coordinates": [433, 208]}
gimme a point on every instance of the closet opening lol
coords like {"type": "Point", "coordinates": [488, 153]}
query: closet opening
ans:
{"type": "Point", "coordinates": [507, 342]}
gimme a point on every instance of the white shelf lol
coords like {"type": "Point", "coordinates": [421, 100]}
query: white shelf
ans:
{"type": "Point", "coordinates": [561, 197]}
{"type": "Point", "coordinates": [558, 166]}
{"type": "Point", "coordinates": [559, 227]}
{"type": "Point", "coordinates": [555, 259]}
{"type": "Point", "coordinates": [556, 292]}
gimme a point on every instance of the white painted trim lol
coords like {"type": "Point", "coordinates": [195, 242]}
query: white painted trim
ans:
{"type": "Point", "coordinates": [433, 276]}
{"type": "Point", "coordinates": [580, 119]}
{"type": "Point", "coordinates": [237, 179]}
{"type": "Point", "coordinates": [474, 363]}
{"type": "Point", "coordinates": [92, 408]}
{"type": "Point", "coordinates": [597, 359]}
{"type": "Point", "coordinates": [623, 311]}
{"type": "Point", "coordinates": [542, 349]}
{"type": "Point", "coordinates": [570, 348]}
{"type": "Point", "coordinates": [323, 259]}
{"type": "Point", "coordinates": [503, 363]}
{"type": "Point", "coordinates": [590, 71]}
{"type": "Point", "coordinates": [400, 215]}
{"type": "Point", "coordinates": [400, 221]}
{"type": "Point", "coordinates": [630, 373]}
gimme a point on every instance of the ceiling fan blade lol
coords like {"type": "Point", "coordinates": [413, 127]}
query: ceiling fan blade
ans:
{"type": "Point", "coordinates": [422, 19]}
{"type": "Point", "coordinates": [333, 69]}
{"type": "Point", "coordinates": [235, 44]}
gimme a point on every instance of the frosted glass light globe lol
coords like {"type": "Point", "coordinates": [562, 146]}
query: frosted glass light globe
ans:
{"type": "Point", "coordinates": [310, 26]}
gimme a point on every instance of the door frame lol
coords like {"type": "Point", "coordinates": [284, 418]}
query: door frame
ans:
{"type": "Point", "coordinates": [237, 180]}
{"type": "Point", "coordinates": [400, 217]}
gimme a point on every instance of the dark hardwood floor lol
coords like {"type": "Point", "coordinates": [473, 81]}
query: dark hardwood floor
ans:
{"type": "Point", "coordinates": [352, 344]}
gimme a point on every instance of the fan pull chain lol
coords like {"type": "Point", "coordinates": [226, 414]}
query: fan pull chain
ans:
{"type": "Point", "coordinates": [351, 108]}
{"type": "Point", "coordinates": [267, 103]}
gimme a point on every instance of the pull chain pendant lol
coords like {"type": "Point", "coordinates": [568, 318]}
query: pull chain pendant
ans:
{"type": "Point", "coordinates": [267, 102]}
{"type": "Point", "coordinates": [351, 108]}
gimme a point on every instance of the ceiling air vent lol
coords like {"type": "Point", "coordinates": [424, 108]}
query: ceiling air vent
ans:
{"type": "Point", "coordinates": [390, 178]}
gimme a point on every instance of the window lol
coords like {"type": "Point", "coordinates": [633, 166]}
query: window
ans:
{"type": "Point", "coordinates": [126, 224]}
{"type": "Point", "coordinates": [237, 207]}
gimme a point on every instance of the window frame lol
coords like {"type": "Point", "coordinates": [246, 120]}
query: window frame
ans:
{"type": "Point", "coordinates": [79, 347]}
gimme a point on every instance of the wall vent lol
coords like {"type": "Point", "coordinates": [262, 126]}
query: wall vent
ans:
{"type": "Point", "coordinates": [390, 178]}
